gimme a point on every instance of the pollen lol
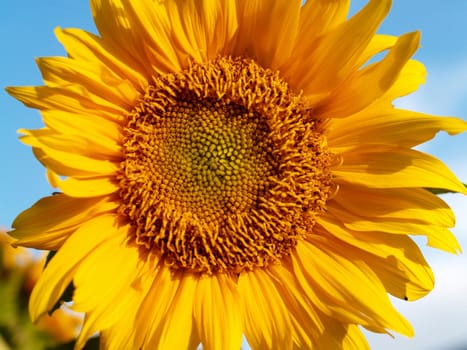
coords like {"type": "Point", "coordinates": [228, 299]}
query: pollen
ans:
{"type": "Point", "coordinates": [225, 168]}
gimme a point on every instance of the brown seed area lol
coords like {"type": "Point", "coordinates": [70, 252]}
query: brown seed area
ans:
{"type": "Point", "coordinates": [225, 169]}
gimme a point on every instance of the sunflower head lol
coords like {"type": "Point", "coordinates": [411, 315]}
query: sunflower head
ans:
{"type": "Point", "coordinates": [235, 165]}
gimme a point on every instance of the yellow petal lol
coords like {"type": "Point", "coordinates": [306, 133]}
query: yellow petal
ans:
{"type": "Point", "coordinates": [112, 319]}
{"type": "Point", "coordinates": [418, 205]}
{"type": "Point", "coordinates": [394, 167]}
{"type": "Point", "coordinates": [216, 310]}
{"type": "Point", "coordinates": [59, 272]}
{"type": "Point", "coordinates": [103, 286]}
{"type": "Point", "coordinates": [370, 83]}
{"type": "Point", "coordinates": [97, 136]}
{"type": "Point", "coordinates": [438, 236]}
{"type": "Point", "coordinates": [305, 318]}
{"type": "Point", "coordinates": [265, 316]}
{"type": "Point", "coordinates": [87, 47]}
{"type": "Point", "coordinates": [338, 335]}
{"type": "Point", "coordinates": [71, 98]}
{"type": "Point", "coordinates": [179, 37]}
{"type": "Point", "coordinates": [396, 259]}
{"type": "Point", "coordinates": [98, 278]}
{"type": "Point", "coordinates": [378, 44]}
{"type": "Point", "coordinates": [267, 30]}
{"type": "Point", "coordinates": [175, 329]}
{"type": "Point", "coordinates": [114, 23]}
{"type": "Point", "coordinates": [153, 308]}
{"type": "Point", "coordinates": [409, 80]}
{"type": "Point", "coordinates": [353, 291]}
{"type": "Point", "coordinates": [354, 339]}
{"type": "Point", "coordinates": [311, 327]}
{"type": "Point", "coordinates": [316, 17]}
{"type": "Point", "coordinates": [328, 60]}
{"type": "Point", "coordinates": [139, 29]}
{"type": "Point", "coordinates": [69, 162]}
{"type": "Point", "coordinates": [393, 126]}
{"type": "Point", "coordinates": [96, 78]}
{"type": "Point", "coordinates": [202, 30]}
{"type": "Point", "coordinates": [124, 310]}
{"type": "Point", "coordinates": [64, 216]}
{"type": "Point", "coordinates": [319, 16]}
{"type": "Point", "coordinates": [155, 39]}
{"type": "Point", "coordinates": [85, 187]}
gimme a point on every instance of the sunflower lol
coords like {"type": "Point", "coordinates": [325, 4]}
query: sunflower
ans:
{"type": "Point", "coordinates": [234, 167]}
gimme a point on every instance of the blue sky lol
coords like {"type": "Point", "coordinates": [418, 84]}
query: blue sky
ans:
{"type": "Point", "coordinates": [26, 29]}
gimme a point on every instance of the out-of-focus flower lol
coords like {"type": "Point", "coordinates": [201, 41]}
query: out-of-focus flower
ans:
{"type": "Point", "coordinates": [14, 258]}
{"type": "Point", "coordinates": [20, 269]}
{"type": "Point", "coordinates": [232, 167]}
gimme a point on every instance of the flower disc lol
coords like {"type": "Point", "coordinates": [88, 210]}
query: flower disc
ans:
{"type": "Point", "coordinates": [210, 168]}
